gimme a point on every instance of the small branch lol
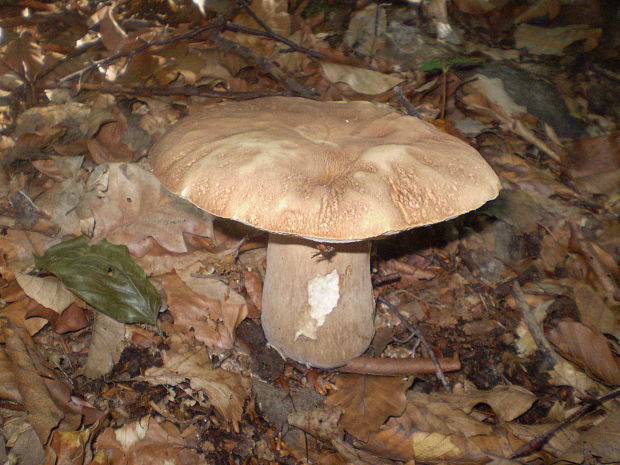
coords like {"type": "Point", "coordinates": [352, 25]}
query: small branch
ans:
{"type": "Point", "coordinates": [129, 53]}
{"type": "Point", "coordinates": [272, 35]}
{"type": "Point", "coordinates": [404, 101]}
{"type": "Point", "coordinates": [539, 442]}
{"type": "Point", "coordinates": [399, 366]}
{"type": "Point", "coordinates": [533, 326]}
{"type": "Point", "coordinates": [263, 64]}
{"type": "Point", "coordinates": [203, 91]}
{"type": "Point", "coordinates": [418, 334]}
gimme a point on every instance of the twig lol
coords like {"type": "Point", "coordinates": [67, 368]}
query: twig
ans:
{"type": "Point", "coordinates": [404, 101]}
{"type": "Point", "coordinates": [69, 57]}
{"type": "Point", "coordinates": [539, 442]}
{"type": "Point", "coordinates": [444, 91]}
{"type": "Point", "coordinates": [270, 32]}
{"type": "Point", "coordinates": [272, 35]}
{"type": "Point", "coordinates": [203, 91]}
{"type": "Point", "coordinates": [418, 334]}
{"type": "Point", "coordinates": [532, 325]}
{"type": "Point", "coordinates": [398, 366]}
{"type": "Point", "coordinates": [129, 53]}
{"type": "Point", "coordinates": [263, 64]}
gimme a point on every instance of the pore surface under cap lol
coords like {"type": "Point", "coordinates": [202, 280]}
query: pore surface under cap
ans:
{"type": "Point", "coordinates": [329, 171]}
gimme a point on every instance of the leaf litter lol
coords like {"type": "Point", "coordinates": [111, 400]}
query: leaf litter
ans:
{"type": "Point", "coordinates": [523, 293]}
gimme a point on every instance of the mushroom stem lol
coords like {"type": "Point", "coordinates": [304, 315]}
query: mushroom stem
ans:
{"type": "Point", "coordinates": [318, 311]}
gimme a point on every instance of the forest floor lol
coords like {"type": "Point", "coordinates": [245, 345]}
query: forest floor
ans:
{"type": "Point", "coordinates": [519, 298]}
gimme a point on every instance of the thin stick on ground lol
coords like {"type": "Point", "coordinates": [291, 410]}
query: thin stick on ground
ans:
{"type": "Point", "coordinates": [534, 327]}
{"type": "Point", "coordinates": [398, 366]}
{"type": "Point", "coordinates": [539, 442]}
{"type": "Point", "coordinates": [418, 334]}
{"type": "Point", "coordinates": [269, 33]}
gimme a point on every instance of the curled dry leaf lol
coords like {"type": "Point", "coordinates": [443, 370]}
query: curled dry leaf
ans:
{"type": "Point", "coordinates": [48, 291]}
{"type": "Point", "coordinates": [226, 391]}
{"type": "Point", "coordinates": [593, 310]}
{"type": "Point", "coordinates": [436, 428]}
{"type": "Point", "coordinates": [367, 401]}
{"type": "Point", "coordinates": [18, 314]}
{"type": "Point", "coordinates": [587, 348]}
{"type": "Point", "coordinates": [205, 308]}
{"type": "Point", "coordinates": [69, 446]}
{"type": "Point", "coordinates": [254, 287]}
{"type": "Point", "coordinates": [127, 205]}
{"type": "Point", "coordinates": [361, 80]}
{"type": "Point", "coordinates": [146, 441]}
{"type": "Point", "coordinates": [43, 414]}
{"type": "Point", "coordinates": [507, 402]}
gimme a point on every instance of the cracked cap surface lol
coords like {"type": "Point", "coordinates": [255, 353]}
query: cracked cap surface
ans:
{"type": "Point", "coordinates": [326, 171]}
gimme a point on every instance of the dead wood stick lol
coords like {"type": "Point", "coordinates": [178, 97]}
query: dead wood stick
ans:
{"type": "Point", "coordinates": [534, 327]}
{"type": "Point", "coordinates": [399, 366]}
{"type": "Point", "coordinates": [539, 442]}
{"type": "Point", "coordinates": [418, 334]}
{"type": "Point", "coordinates": [129, 53]}
{"type": "Point", "coordinates": [41, 225]}
{"type": "Point", "coordinates": [263, 64]}
{"type": "Point", "coordinates": [203, 91]}
{"type": "Point", "coordinates": [269, 33]}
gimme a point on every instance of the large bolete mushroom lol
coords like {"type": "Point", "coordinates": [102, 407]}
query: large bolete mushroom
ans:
{"type": "Point", "coordinates": [320, 175]}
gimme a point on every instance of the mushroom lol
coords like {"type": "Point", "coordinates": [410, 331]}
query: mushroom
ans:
{"type": "Point", "coordinates": [323, 178]}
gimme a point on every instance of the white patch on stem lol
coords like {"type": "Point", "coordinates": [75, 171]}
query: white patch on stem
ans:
{"type": "Point", "coordinates": [323, 295]}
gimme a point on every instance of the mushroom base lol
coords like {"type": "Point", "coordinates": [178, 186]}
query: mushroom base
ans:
{"type": "Point", "coordinates": [318, 310]}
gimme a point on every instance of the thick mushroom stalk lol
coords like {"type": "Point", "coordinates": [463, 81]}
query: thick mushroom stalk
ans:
{"type": "Point", "coordinates": [317, 310]}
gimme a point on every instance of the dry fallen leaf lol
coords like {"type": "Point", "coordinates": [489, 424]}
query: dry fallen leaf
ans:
{"type": "Point", "coordinates": [593, 310]}
{"type": "Point", "coordinates": [552, 41]}
{"type": "Point", "coordinates": [205, 308]}
{"type": "Point", "coordinates": [147, 441]}
{"type": "Point", "coordinates": [226, 391]}
{"type": "Point", "coordinates": [361, 80]}
{"type": "Point", "coordinates": [367, 401]}
{"type": "Point", "coordinates": [127, 205]}
{"type": "Point", "coordinates": [588, 348]}
{"type": "Point", "coordinates": [43, 414]}
{"type": "Point", "coordinates": [48, 291]}
{"type": "Point", "coordinates": [435, 428]}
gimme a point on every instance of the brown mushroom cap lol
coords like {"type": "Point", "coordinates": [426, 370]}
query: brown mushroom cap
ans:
{"type": "Point", "coordinates": [326, 171]}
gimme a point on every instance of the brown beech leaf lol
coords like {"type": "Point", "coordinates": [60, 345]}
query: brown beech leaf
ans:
{"type": "Point", "coordinates": [18, 313]}
{"type": "Point", "coordinates": [435, 428]}
{"type": "Point", "coordinates": [43, 414]}
{"type": "Point", "coordinates": [254, 287]}
{"type": "Point", "coordinates": [587, 348]}
{"type": "Point", "coordinates": [147, 441]}
{"type": "Point", "coordinates": [127, 205]}
{"type": "Point", "coordinates": [593, 310]}
{"type": "Point", "coordinates": [48, 291]}
{"type": "Point", "coordinates": [205, 308]}
{"type": "Point", "coordinates": [109, 128]}
{"type": "Point", "coordinates": [226, 391]}
{"type": "Point", "coordinates": [367, 401]}
{"type": "Point", "coordinates": [69, 447]}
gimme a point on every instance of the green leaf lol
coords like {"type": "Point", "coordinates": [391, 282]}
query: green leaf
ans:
{"type": "Point", "coordinates": [104, 276]}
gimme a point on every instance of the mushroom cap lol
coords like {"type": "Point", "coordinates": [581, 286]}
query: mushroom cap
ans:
{"type": "Point", "coordinates": [326, 171]}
